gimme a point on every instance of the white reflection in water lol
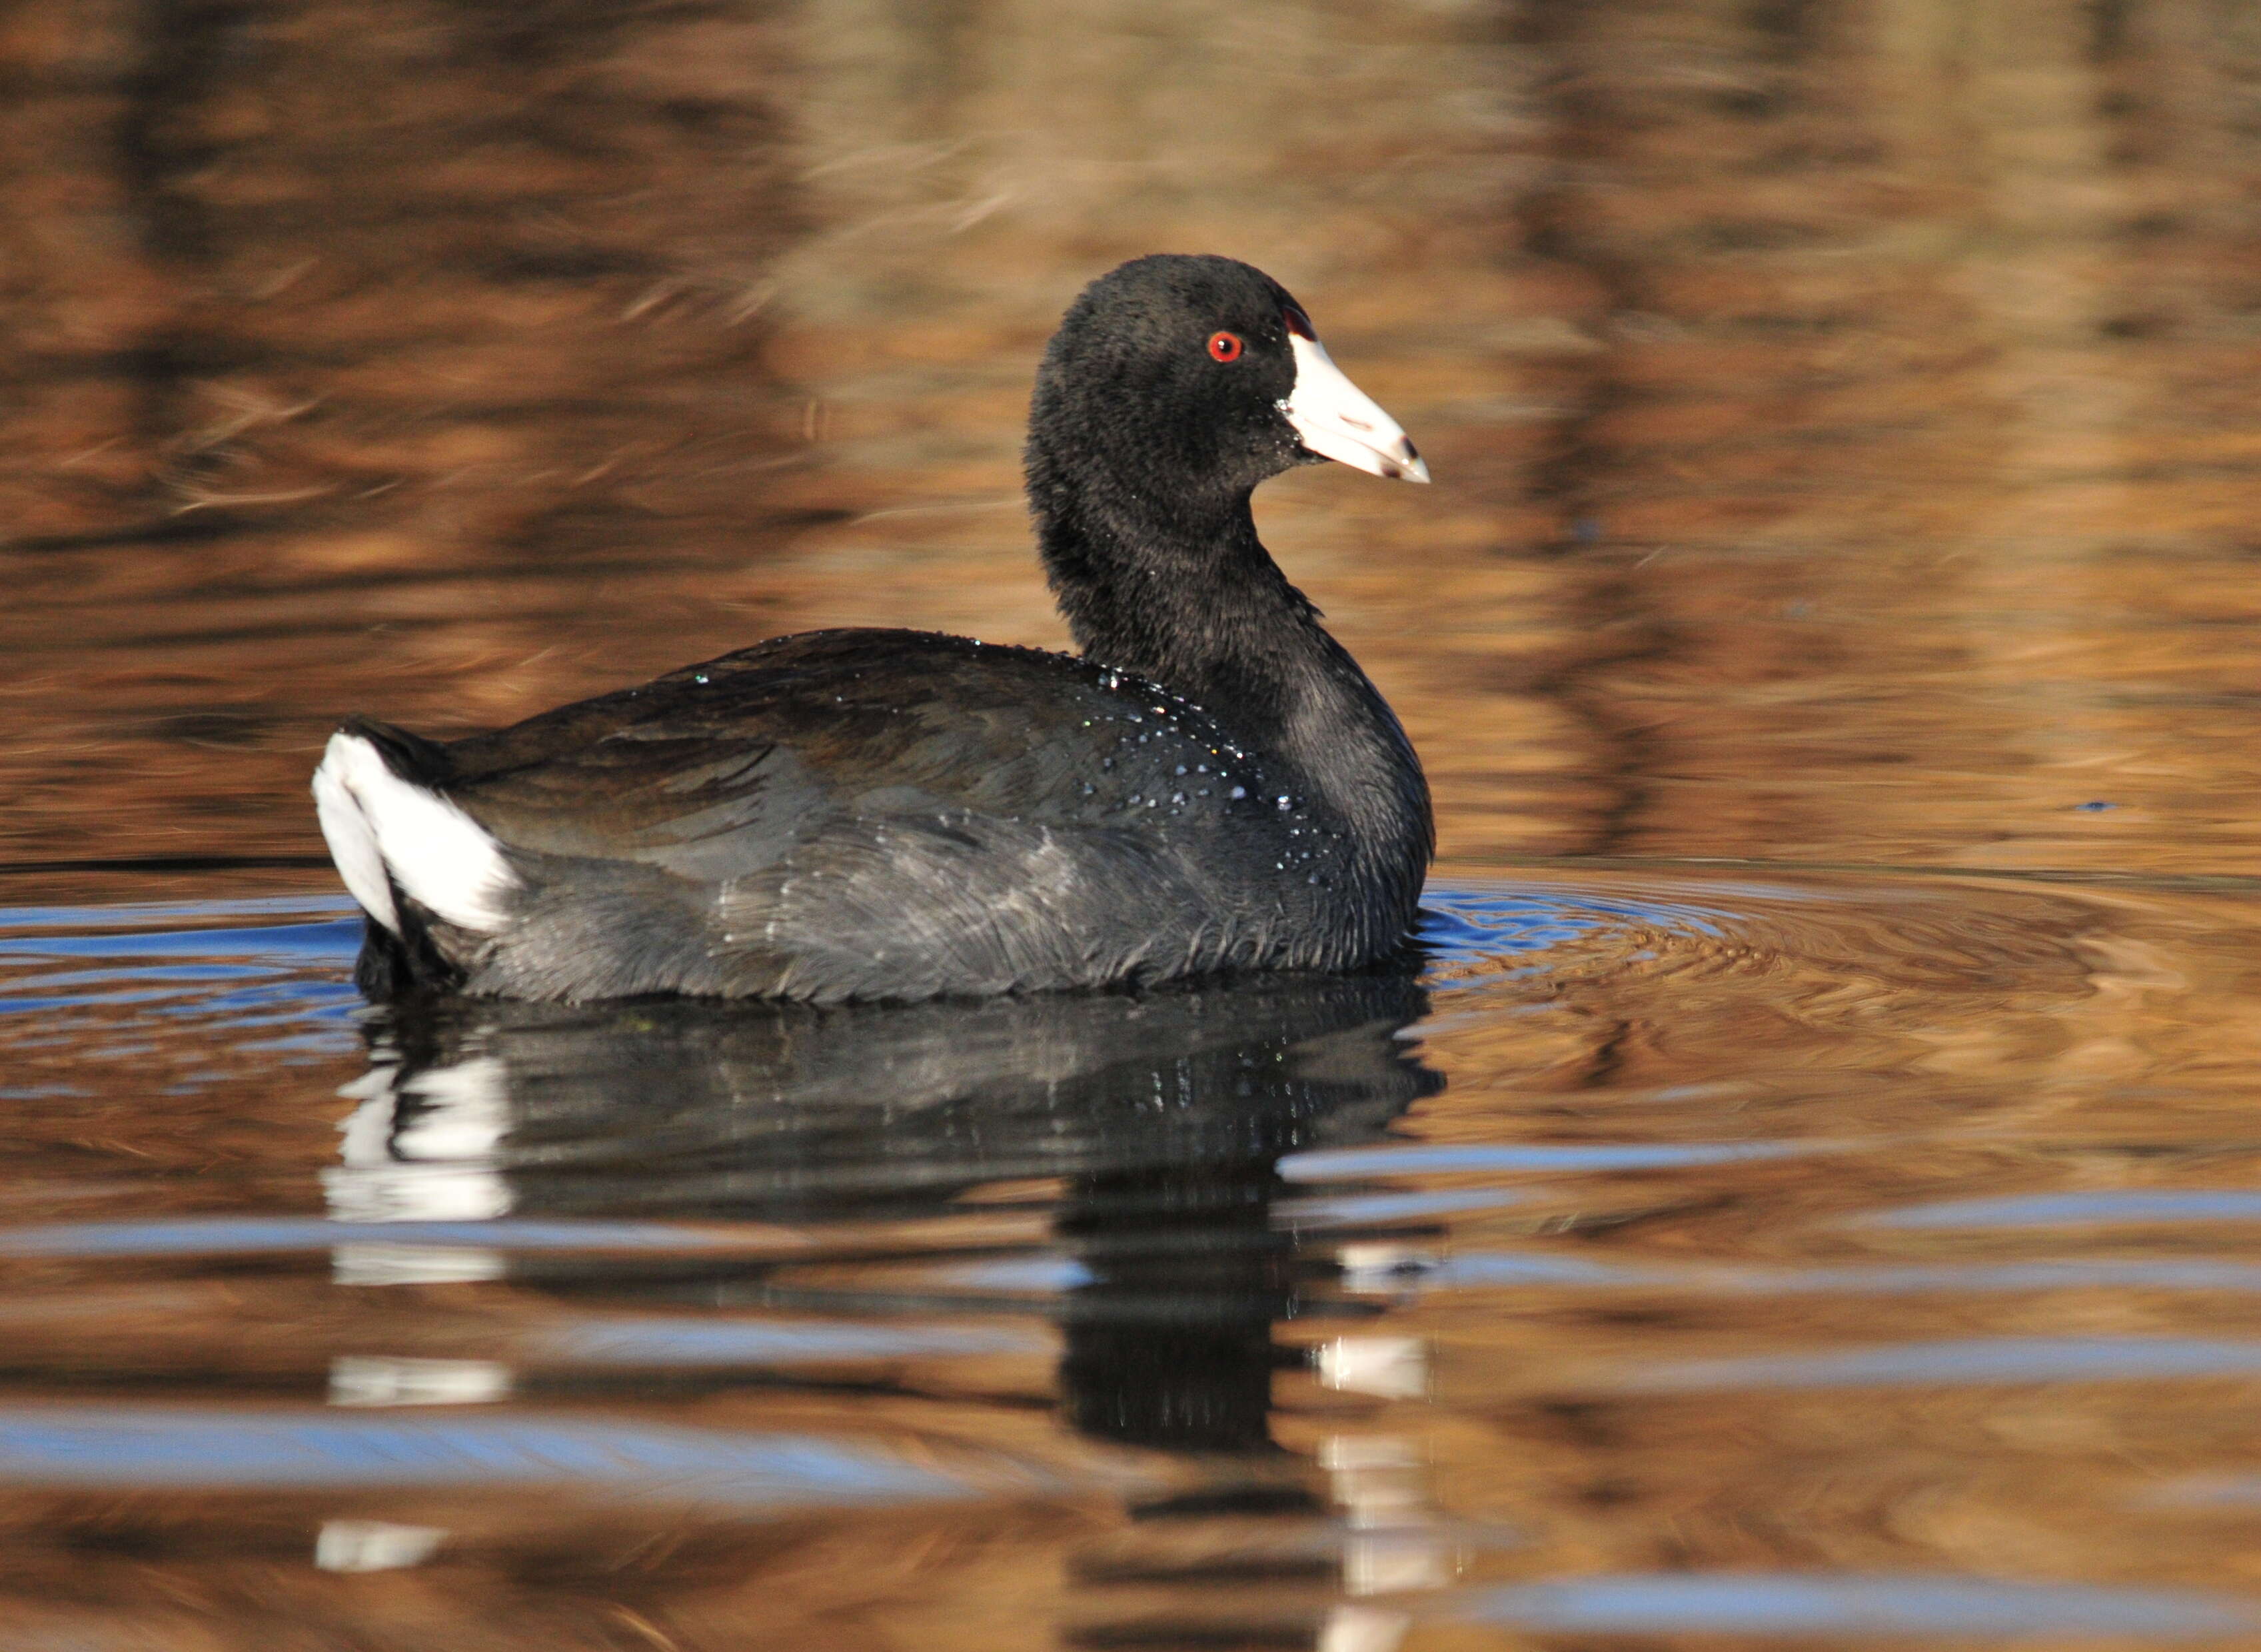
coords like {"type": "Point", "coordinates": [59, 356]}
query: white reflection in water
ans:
{"type": "Point", "coordinates": [416, 1265]}
{"type": "Point", "coordinates": [1389, 1367]}
{"type": "Point", "coordinates": [421, 1149]}
{"type": "Point", "coordinates": [1398, 1539]}
{"type": "Point", "coordinates": [374, 1546]}
{"type": "Point", "coordinates": [1362, 1629]}
{"type": "Point", "coordinates": [357, 1379]}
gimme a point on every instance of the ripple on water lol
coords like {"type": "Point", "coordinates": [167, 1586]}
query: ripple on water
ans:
{"type": "Point", "coordinates": [126, 1447]}
{"type": "Point", "coordinates": [212, 961]}
{"type": "Point", "coordinates": [1482, 1269]}
{"type": "Point", "coordinates": [1802, 937]}
{"type": "Point", "coordinates": [828, 1224]}
{"type": "Point", "coordinates": [1778, 1603]}
{"type": "Point", "coordinates": [155, 966]}
{"type": "Point", "coordinates": [1473, 925]}
{"type": "Point", "coordinates": [2104, 1207]}
{"type": "Point", "coordinates": [1962, 1361]}
{"type": "Point", "coordinates": [164, 977]}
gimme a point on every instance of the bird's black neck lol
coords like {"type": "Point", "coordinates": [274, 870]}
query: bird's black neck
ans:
{"type": "Point", "coordinates": [1181, 591]}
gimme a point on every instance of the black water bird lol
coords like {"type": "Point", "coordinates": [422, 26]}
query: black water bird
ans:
{"type": "Point", "coordinates": [1213, 785]}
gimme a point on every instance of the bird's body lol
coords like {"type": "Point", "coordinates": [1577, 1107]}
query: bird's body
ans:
{"type": "Point", "coordinates": [898, 815]}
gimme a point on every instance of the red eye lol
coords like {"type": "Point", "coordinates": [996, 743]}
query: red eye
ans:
{"type": "Point", "coordinates": [1224, 347]}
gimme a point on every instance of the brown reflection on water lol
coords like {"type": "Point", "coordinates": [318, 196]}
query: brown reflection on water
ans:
{"type": "Point", "coordinates": [366, 353]}
{"type": "Point", "coordinates": [448, 423]}
{"type": "Point", "coordinates": [1842, 447]}
{"type": "Point", "coordinates": [1916, 455]}
{"type": "Point", "coordinates": [1915, 1049]}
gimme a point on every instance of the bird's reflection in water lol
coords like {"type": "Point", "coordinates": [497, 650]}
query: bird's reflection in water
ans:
{"type": "Point", "coordinates": [1156, 1121]}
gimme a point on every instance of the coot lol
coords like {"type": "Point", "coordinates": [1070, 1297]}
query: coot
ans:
{"type": "Point", "coordinates": [1213, 785]}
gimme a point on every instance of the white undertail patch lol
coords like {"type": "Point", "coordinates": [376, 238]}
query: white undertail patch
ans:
{"type": "Point", "coordinates": [353, 844]}
{"type": "Point", "coordinates": [383, 830]}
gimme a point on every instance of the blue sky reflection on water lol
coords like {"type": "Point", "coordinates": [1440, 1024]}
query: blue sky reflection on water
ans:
{"type": "Point", "coordinates": [217, 974]}
{"type": "Point", "coordinates": [128, 1447]}
{"type": "Point", "coordinates": [1791, 1605]}
{"type": "Point", "coordinates": [246, 1236]}
{"type": "Point", "coordinates": [2104, 1206]}
{"type": "Point", "coordinates": [1477, 1269]}
{"type": "Point", "coordinates": [1474, 923]}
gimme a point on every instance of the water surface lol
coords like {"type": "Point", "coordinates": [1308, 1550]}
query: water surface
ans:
{"type": "Point", "coordinates": [1804, 1191]}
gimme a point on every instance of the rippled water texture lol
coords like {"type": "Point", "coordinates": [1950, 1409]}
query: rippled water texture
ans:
{"type": "Point", "coordinates": [1804, 1193]}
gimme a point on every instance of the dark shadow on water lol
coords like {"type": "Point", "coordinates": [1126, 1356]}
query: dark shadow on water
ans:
{"type": "Point", "coordinates": [1153, 1123]}
{"type": "Point", "coordinates": [1149, 1126]}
